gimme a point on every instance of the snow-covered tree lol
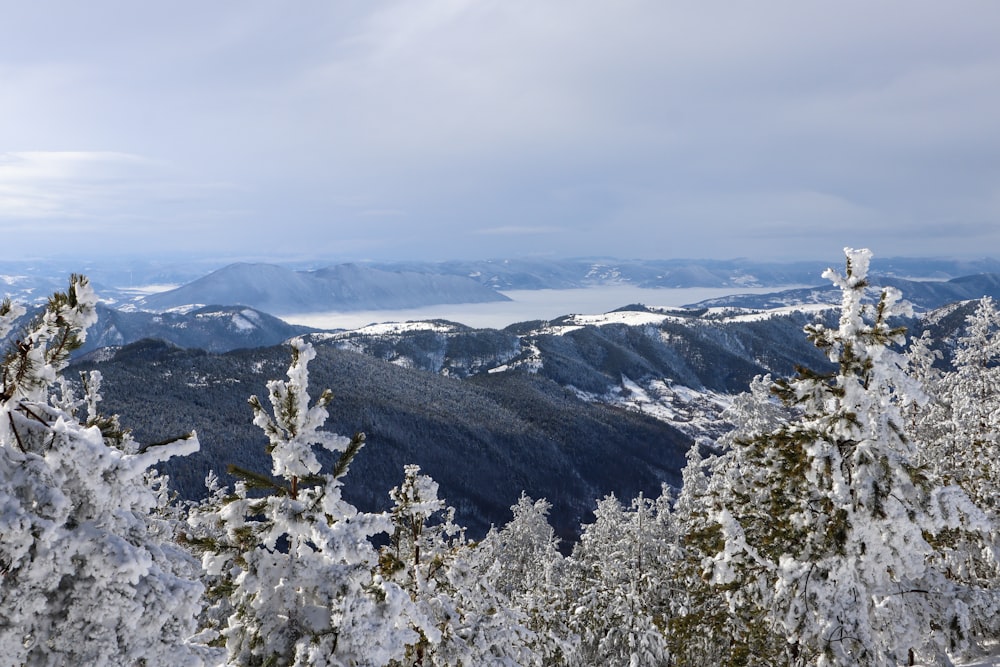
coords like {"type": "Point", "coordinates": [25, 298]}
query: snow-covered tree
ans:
{"type": "Point", "coordinates": [459, 616]}
{"type": "Point", "coordinates": [959, 434]}
{"type": "Point", "coordinates": [707, 624]}
{"type": "Point", "coordinates": [89, 573]}
{"type": "Point", "coordinates": [616, 575]}
{"type": "Point", "coordinates": [972, 395]}
{"type": "Point", "coordinates": [704, 627]}
{"type": "Point", "coordinates": [524, 553]}
{"type": "Point", "coordinates": [522, 562]}
{"type": "Point", "coordinates": [927, 422]}
{"type": "Point", "coordinates": [824, 522]}
{"type": "Point", "coordinates": [295, 564]}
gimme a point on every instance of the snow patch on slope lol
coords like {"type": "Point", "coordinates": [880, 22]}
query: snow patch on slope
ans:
{"type": "Point", "coordinates": [390, 328]}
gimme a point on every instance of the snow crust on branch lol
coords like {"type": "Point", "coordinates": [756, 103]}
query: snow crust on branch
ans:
{"type": "Point", "coordinates": [89, 570]}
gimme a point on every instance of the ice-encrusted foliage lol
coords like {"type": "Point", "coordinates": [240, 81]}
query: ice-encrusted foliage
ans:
{"type": "Point", "coordinates": [37, 358]}
{"type": "Point", "coordinates": [521, 561]}
{"type": "Point", "coordinates": [960, 438]}
{"type": "Point", "coordinates": [295, 565]}
{"type": "Point", "coordinates": [705, 627]}
{"type": "Point", "coordinates": [927, 422]}
{"type": "Point", "coordinates": [972, 394]}
{"type": "Point", "coordinates": [89, 572]}
{"type": "Point", "coordinates": [616, 575]}
{"type": "Point", "coordinates": [459, 617]}
{"type": "Point", "coordinates": [824, 520]}
{"type": "Point", "coordinates": [292, 426]}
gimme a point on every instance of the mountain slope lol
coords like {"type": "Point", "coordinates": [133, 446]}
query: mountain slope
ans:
{"type": "Point", "coordinates": [279, 290]}
{"type": "Point", "coordinates": [212, 328]}
{"type": "Point", "coordinates": [679, 366]}
{"type": "Point", "coordinates": [592, 353]}
{"type": "Point", "coordinates": [484, 441]}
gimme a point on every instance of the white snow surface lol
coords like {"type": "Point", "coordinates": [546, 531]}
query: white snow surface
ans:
{"type": "Point", "coordinates": [153, 288]}
{"type": "Point", "coordinates": [628, 317]}
{"type": "Point", "coordinates": [388, 328]}
{"type": "Point", "coordinates": [731, 315]}
{"type": "Point", "coordinates": [637, 318]}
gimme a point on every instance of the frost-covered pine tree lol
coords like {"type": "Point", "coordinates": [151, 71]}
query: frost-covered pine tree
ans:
{"type": "Point", "coordinates": [522, 562]}
{"type": "Point", "coordinates": [295, 564]}
{"type": "Point", "coordinates": [89, 573]}
{"type": "Point", "coordinates": [459, 617]}
{"type": "Point", "coordinates": [713, 623]}
{"type": "Point", "coordinates": [706, 625]}
{"type": "Point", "coordinates": [927, 422]}
{"type": "Point", "coordinates": [824, 529]}
{"type": "Point", "coordinates": [972, 395]}
{"type": "Point", "coordinates": [616, 575]}
{"type": "Point", "coordinates": [960, 441]}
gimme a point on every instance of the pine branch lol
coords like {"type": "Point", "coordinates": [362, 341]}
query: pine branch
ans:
{"type": "Point", "coordinates": [344, 462]}
{"type": "Point", "coordinates": [28, 411]}
{"type": "Point", "coordinates": [17, 436]}
{"type": "Point", "coordinates": [311, 480]}
{"type": "Point", "coordinates": [162, 443]}
{"type": "Point", "coordinates": [256, 480]}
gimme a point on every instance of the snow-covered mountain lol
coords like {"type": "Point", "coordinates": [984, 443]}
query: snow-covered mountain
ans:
{"type": "Point", "coordinates": [211, 328]}
{"type": "Point", "coordinates": [923, 294]}
{"type": "Point", "coordinates": [569, 410]}
{"type": "Point", "coordinates": [539, 406]}
{"type": "Point", "coordinates": [279, 290]}
{"type": "Point", "coordinates": [678, 365]}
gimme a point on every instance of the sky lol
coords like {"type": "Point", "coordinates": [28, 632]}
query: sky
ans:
{"type": "Point", "coordinates": [454, 129]}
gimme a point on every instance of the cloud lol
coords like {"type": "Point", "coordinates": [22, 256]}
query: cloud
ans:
{"type": "Point", "coordinates": [513, 230]}
{"type": "Point", "coordinates": [91, 201]}
{"type": "Point", "coordinates": [588, 126]}
{"type": "Point", "coordinates": [383, 213]}
{"type": "Point", "coordinates": [66, 184]}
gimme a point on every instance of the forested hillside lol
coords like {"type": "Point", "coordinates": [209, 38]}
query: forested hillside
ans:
{"type": "Point", "coordinates": [483, 441]}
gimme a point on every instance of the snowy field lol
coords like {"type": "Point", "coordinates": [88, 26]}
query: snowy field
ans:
{"type": "Point", "coordinates": [526, 305]}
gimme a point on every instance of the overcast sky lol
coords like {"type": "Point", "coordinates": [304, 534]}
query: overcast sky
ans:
{"type": "Point", "coordinates": [476, 129]}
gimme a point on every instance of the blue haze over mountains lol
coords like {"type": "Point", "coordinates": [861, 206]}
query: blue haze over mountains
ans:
{"type": "Point", "coordinates": [234, 306]}
{"type": "Point", "coordinates": [284, 287]}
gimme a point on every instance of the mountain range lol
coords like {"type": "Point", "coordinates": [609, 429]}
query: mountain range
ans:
{"type": "Point", "coordinates": [569, 410]}
{"type": "Point", "coordinates": [549, 273]}
{"type": "Point", "coordinates": [210, 328]}
{"type": "Point", "coordinates": [166, 284]}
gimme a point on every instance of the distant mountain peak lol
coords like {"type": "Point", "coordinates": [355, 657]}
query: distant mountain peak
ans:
{"type": "Point", "coordinates": [279, 290]}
